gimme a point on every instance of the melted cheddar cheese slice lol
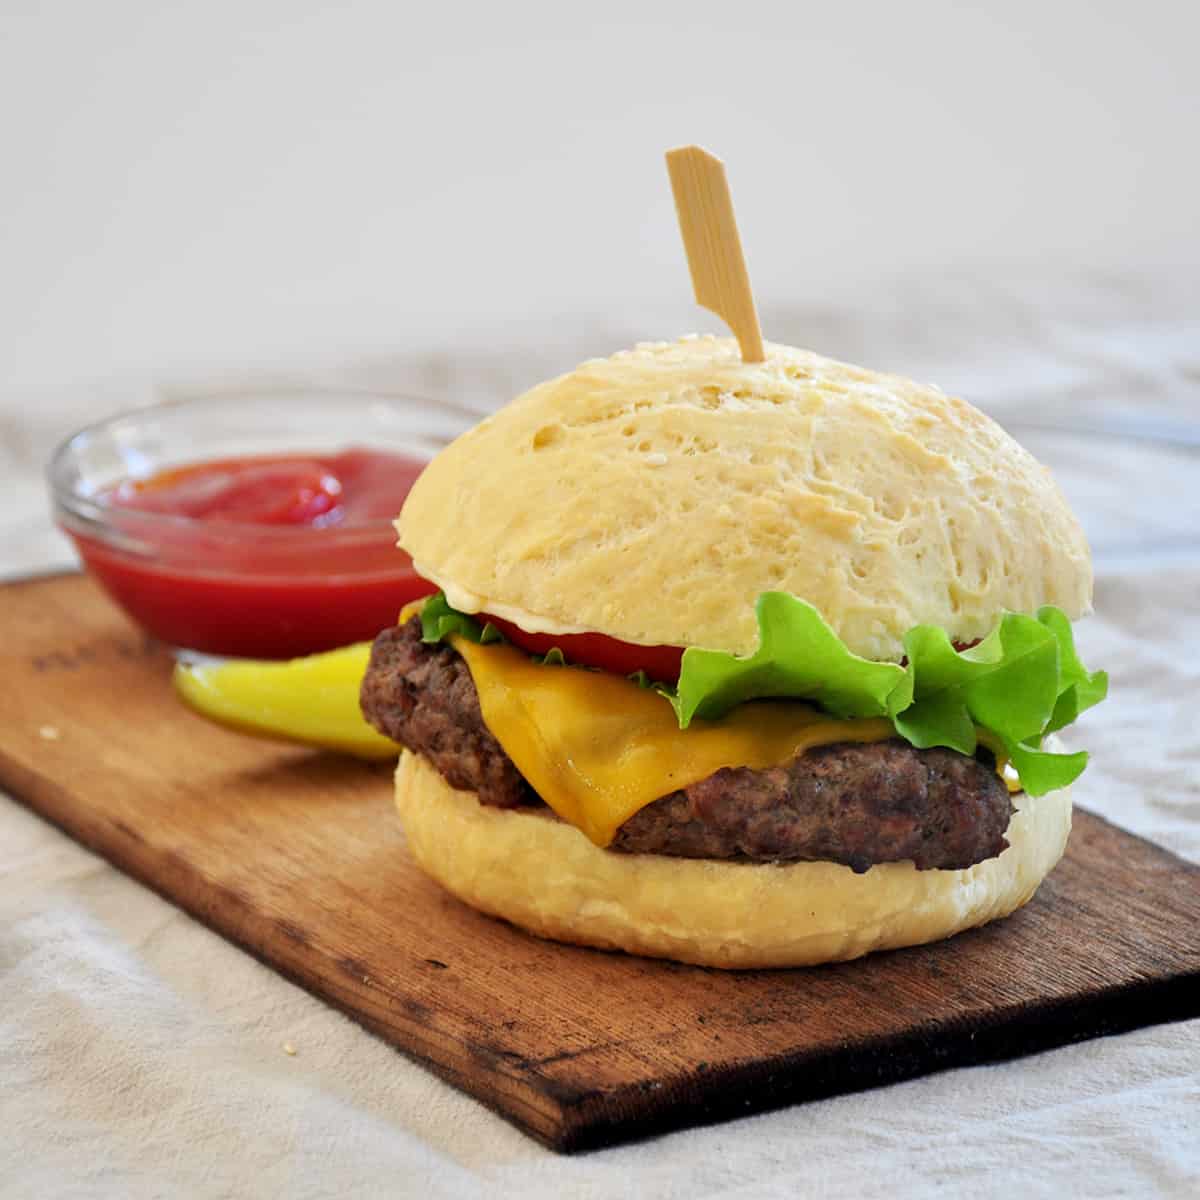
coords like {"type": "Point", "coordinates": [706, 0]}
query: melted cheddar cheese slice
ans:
{"type": "Point", "coordinates": [598, 748]}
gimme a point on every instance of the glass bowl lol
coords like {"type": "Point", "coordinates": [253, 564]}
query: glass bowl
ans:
{"type": "Point", "coordinates": [237, 588]}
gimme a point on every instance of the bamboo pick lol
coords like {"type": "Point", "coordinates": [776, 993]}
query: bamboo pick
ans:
{"type": "Point", "coordinates": [714, 250]}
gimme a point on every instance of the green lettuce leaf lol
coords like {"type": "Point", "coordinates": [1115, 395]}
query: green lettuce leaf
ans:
{"type": "Point", "coordinates": [1008, 683]}
{"type": "Point", "coordinates": [439, 621]}
{"type": "Point", "coordinates": [1021, 682]}
{"type": "Point", "coordinates": [798, 656]}
{"type": "Point", "coordinates": [1081, 688]}
{"type": "Point", "coordinates": [1042, 771]}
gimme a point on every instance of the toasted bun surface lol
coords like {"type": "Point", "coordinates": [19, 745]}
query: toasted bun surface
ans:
{"type": "Point", "coordinates": [653, 495]}
{"type": "Point", "coordinates": [545, 876]}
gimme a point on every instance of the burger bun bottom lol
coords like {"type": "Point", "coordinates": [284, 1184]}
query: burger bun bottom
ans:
{"type": "Point", "coordinates": [542, 874]}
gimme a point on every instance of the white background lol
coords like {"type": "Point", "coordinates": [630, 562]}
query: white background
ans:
{"type": "Point", "coordinates": [225, 185]}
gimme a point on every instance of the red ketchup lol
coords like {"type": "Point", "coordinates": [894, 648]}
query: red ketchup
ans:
{"type": "Point", "coordinates": [261, 557]}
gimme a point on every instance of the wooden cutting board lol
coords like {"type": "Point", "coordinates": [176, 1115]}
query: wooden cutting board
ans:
{"type": "Point", "coordinates": [297, 857]}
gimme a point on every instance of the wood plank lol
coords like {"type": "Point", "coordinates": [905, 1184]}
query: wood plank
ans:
{"type": "Point", "coordinates": [297, 857]}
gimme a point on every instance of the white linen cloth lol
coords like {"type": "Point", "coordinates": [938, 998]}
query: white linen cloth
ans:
{"type": "Point", "coordinates": [141, 1055]}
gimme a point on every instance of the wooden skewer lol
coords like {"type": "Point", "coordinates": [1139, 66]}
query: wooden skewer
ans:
{"type": "Point", "coordinates": [714, 250]}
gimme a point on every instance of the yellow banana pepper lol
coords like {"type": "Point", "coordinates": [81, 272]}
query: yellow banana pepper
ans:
{"type": "Point", "coordinates": [311, 700]}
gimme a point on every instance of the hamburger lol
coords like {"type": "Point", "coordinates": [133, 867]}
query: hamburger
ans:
{"type": "Point", "coordinates": [737, 664]}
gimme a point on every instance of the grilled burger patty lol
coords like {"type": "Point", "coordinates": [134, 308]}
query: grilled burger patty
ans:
{"type": "Point", "coordinates": [851, 803]}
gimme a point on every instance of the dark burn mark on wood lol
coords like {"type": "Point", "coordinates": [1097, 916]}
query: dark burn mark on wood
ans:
{"type": "Point", "coordinates": [355, 968]}
{"type": "Point", "coordinates": [437, 962]}
{"type": "Point", "coordinates": [128, 830]}
{"type": "Point", "coordinates": [176, 865]}
{"type": "Point", "coordinates": [581, 1104]}
{"type": "Point", "coordinates": [54, 661]}
{"type": "Point", "coordinates": [569, 1094]}
{"type": "Point", "coordinates": [494, 1057]}
{"type": "Point", "coordinates": [129, 649]}
{"type": "Point", "coordinates": [231, 897]}
{"type": "Point", "coordinates": [421, 1013]}
{"type": "Point", "coordinates": [292, 931]}
{"type": "Point", "coordinates": [597, 1048]}
{"type": "Point", "coordinates": [148, 647]}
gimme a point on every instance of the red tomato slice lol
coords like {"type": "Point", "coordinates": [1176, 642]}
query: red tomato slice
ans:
{"type": "Point", "coordinates": [661, 663]}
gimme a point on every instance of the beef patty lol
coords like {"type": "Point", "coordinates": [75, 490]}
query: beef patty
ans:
{"type": "Point", "coordinates": [851, 803]}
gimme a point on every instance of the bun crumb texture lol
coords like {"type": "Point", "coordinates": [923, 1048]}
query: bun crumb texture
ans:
{"type": "Point", "coordinates": [655, 494]}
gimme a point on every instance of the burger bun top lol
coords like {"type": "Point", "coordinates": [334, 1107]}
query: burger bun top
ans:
{"type": "Point", "coordinates": [653, 495]}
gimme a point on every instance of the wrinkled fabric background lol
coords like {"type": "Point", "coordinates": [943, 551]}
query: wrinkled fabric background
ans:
{"type": "Point", "coordinates": [141, 1055]}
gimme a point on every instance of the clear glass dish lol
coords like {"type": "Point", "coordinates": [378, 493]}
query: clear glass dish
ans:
{"type": "Point", "coordinates": [238, 588]}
